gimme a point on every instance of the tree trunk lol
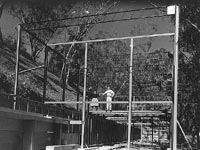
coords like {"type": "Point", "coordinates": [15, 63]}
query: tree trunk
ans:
{"type": "Point", "coordinates": [2, 4]}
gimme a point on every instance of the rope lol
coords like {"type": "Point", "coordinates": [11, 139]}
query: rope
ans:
{"type": "Point", "coordinates": [184, 135]}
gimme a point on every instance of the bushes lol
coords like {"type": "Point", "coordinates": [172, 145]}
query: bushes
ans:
{"type": "Point", "coordinates": [5, 85]}
{"type": "Point", "coordinates": [24, 90]}
{"type": "Point", "coordinates": [27, 92]}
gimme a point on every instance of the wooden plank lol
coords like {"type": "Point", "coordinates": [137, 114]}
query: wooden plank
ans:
{"type": "Point", "coordinates": [75, 122]}
{"type": "Point", "coordinates": [63, 147]}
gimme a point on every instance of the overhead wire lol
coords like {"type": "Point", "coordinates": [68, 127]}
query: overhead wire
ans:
{"type": "Point", "coordinates": [94, 15]}
{"type": "Point", "coordinates": [100, 22]}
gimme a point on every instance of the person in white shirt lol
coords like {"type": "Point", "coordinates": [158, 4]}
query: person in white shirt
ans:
{"type": "Point", "coordinates": [109, 95]}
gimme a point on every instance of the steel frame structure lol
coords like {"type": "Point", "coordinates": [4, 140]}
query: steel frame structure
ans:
{"type": "Point", "coordinates": [131, 97]}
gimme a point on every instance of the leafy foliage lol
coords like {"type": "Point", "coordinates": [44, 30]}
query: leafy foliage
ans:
{"type": "Point", "coordinates": [37, 11]}
{"type": "Point", "coordinates": [189, 70]}
{"type": "Point", "coordinates": [2, 4]}
{"type": "Point", "coordinates": [5, 86]}
{"type": "Point", "coordinates": [189, 64]}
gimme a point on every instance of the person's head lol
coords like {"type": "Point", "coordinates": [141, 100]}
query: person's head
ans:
{"type": "Point", "coordinates": [95, 92]}
{"type": "Point", "coordinates": [108, 88]}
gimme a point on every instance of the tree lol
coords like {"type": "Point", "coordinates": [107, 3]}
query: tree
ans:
{"type": "Point", "coordinates": [37, 11]}
{"type": "Point", "coordinates": [189, 64]}
{"type": "Point", "coordinates": [189, 72]}
{"type": "Point", "coordinates": [79, 33]}
{"type": "Point", "coordinates": [2, 4]}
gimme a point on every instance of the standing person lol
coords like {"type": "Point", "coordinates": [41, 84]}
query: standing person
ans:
{"type": "Point", "coordinates": [95, 103]}
{"type": "Point", "coordinates": [109, 95]}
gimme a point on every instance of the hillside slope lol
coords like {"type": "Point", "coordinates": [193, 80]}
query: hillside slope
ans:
{"type": "Point", "coordinates": [30, 83]}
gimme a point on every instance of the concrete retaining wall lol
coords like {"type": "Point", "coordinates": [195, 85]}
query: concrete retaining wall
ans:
{"type": "Point", "coordinates": [24, 134]}
{"type": "Point", "coordinates": [11, 134]}
{"type": "Point", "coordinates": [70, 138]}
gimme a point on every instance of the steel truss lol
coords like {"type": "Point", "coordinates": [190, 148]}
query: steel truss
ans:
{"type": "Point", "coordinates": [131, 97]}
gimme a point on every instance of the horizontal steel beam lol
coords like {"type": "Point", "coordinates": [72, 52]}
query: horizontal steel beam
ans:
{"type": "Point", "coordinates": [105, 102]}
{"type": "Point", "coordinates": [139, 124]}
{"type": "Point", "coordinates": [135, 119]}
{"type": "Point", "coordinates": [117, 118]}
{"type": "Point", "coordinates": [124, 119]}
{"type": "Point", "coordinates": [43, 42]}
{"type": "Point", "coordinates": [125, 113]}
{"type": "Point", "coordinates": [134, 111]}
{"type": "Point", "coordinates": [31, 69]}
{"type": "Point", "coordinates": [113, 39]}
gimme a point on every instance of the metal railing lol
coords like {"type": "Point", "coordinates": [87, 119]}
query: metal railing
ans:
{"type": "Point", "coordinates": [6, 100]}
{"type": "Point", "coordinates": [27, 105]}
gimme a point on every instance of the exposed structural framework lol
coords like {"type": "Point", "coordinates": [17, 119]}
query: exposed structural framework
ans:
{"type": "Point", "coordinates": [128, 73]}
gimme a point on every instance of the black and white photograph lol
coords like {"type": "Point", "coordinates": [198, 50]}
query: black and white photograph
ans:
{"type": "Point", "coordinates": [99, 74]}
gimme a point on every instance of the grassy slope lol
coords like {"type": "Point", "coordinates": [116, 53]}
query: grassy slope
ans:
{"type": "Point", "coordinates": [32, 80]}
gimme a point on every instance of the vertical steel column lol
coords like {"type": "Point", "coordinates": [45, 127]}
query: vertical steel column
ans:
{"type": "Point", "coordinates": [96, 142]}
{"type": "Point", "coordinates": [90, 130]}
{"type": "Point", "coordinates": [103, 131]}
{"type": "Point", "coordinates": [141, 130]}
{"type": "Point", "coordinates": [60, 133]}
{"type": "Point", "coordinates": [175, 79]}
{"type": "Point", "coordinates": [84, 97]}
{"type": "Point", "coordinates": [130, 94]}
{"type": "Point", "coordinates": [72, 124]}
{"type": "Point", "coordinates": [78, 90]}
{"type": "Point", "coordinates": [65, 78]}
{"type": "Point", "coordinates": [152, 130]}
{"type": "Point", "coordinates": [64, 82]}
{"type": "Point", "coordinates": [92, 140]}
{"type": "Point", "coordinates": [68, 124]}
{"type": "Point", "coordinates": [171, 128]}
{"type": "Point", "coordinates": [158, 132]}
{"type": "Point", "coordinates": [45, 73]}
{"type": "Point", "coordinates": [17, 64]}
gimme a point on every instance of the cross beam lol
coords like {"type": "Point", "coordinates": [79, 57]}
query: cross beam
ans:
{"type": "Point", "coordinates": [113, 39]}
{"type": "Point", "coordinates": [105, 102]}
{"type": "Point", "coordinates": [135, 112]}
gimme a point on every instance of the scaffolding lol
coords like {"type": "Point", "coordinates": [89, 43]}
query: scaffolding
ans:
{"type": "Point", "coordinates": [127, 68]}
